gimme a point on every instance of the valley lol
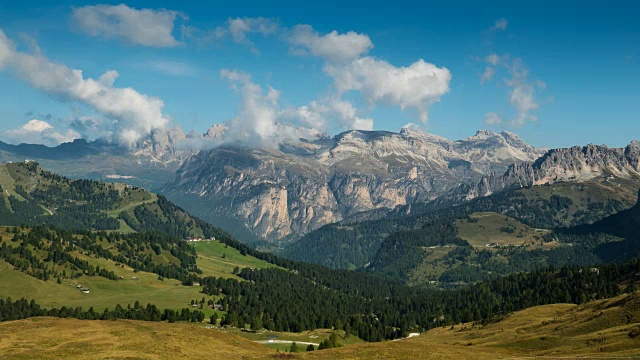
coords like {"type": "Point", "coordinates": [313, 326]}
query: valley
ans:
{"type": "Point", "coordinates": [318, 180]}
{"type": "Point", "coordinates": [98, 248]}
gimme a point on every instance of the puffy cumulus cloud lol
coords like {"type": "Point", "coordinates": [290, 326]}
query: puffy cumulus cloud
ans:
{"type": "Point", "coordinates": [146, 27]}
{"type": "Point", "coordinates": [522, 92]}
{"type": "Point", "coordinates": [320, 114]}
{"type": "Point", "coordinates": [492, 118]}
{"type": "Point", "coordinates": [333, 47]}
{"type": "Point", "coordinates": [134, 115]}
{"type": "Point", "coordinates": [258, 119]}
{"type": "Point", "coordinates": [39, 132]}
{"type": "Point", "coordinates": [499, 25]}
{"type": "Point", "coordinates": [416, 86]}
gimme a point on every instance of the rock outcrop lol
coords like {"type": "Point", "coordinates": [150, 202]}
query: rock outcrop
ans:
{"type": "Point", "coordinates": [302, 185]}
{"type": "Point", "coordinates": [575, 164]}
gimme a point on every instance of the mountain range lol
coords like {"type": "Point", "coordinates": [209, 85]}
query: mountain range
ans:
{"type": "Point", "coordinates": [287, 191]}
{"type": "Point", "coordinates": [280, 193]}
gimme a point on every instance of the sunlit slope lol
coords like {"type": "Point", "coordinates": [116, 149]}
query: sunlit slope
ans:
{"type": "Point", "coordinates": [49, 338]}
{"type": "Point", "coordinates": [219, 260]}
{"type": "Point", "coordinates": [599, 329]}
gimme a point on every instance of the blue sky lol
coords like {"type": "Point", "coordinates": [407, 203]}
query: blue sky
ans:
{"type": "Point", "coordinates": [558, 73]}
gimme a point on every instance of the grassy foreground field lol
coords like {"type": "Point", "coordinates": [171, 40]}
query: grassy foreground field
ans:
{"type": "Point", "coordinates": [597, 330]}
{"type": "Point", "coordinates": [75, 339]}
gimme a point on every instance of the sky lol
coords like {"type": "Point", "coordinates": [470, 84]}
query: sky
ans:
{"type": "Point", "coordinates": [557, 73]}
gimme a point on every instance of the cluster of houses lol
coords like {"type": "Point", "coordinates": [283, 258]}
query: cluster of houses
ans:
{"type": "Point", "coordinates": [198, 239]}
{"type": "Point", "coordinates": [84, 290]}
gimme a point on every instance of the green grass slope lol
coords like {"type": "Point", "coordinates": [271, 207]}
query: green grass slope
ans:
{"type": "Point", "coordinates": [34, 196]}
{"type": "Point", "coordinates": [220, 260]}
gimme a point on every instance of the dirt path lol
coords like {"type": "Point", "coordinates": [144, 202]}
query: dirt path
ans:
{"type": "Point", "coordinates": [285, 342]}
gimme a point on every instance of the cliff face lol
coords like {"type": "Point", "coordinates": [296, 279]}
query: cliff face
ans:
{"type": "Point", "coordinates": [574, 164]}
{"type": "Point", "coordinates": [302, 185]}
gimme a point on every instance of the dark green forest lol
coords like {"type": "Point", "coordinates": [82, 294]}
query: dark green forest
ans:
{"type": "Point", "coordinates": [392, 246]}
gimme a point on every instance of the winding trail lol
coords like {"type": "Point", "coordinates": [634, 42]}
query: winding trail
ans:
{"type": "Point", "coordinates": [285, 342]}
{"type": "Point", "coordinates": [218, 260]}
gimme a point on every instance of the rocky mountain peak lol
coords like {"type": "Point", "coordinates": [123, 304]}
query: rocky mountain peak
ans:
{"type": "Point", "coordinates": [485, 133]}
{"type": "Point", "coordinates": [216, 132]}
{"type": "Point", "coordinates": [162, 147]}
{"type": "Point", "coordinates": [575, 164]}
{"type": "Point", "coordinates": [632, 153]}
{"type": "Point", "coordinates": [303, 185]}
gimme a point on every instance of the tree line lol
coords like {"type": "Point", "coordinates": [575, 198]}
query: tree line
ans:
{"type": "Point", "coordinates": [22, 309]}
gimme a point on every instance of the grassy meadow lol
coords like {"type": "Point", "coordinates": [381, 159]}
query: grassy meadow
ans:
{"type": "Point", "coordinates": [600, 329]}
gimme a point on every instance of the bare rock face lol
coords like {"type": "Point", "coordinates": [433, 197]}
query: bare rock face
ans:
{"type": "Point", "coordinates": [302, 185]}
{"type": "Point", "coordinates": [632, 153]}
{"type": "Point", "coordinates": [161, 147]}
{"type": "Point", "coordinates": [575, 164]}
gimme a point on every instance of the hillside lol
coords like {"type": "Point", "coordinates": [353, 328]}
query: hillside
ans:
{"type": "Point", "coordinates": [417, 243]}
{"type": "Point", "coordinates": [604, 328]}
{"type": "Point", "coordinates": [562, 188]}
{"type": "Point", "coordinates": [599, 329]}
{"type": "Point", "coordinates": [42, 264]}
{"type": "Point", "coordinates": [34, 196]}
{"type": "Point", "coordinates": [150, 165]}
{"type": "Point", "coordinates": [77, 339]}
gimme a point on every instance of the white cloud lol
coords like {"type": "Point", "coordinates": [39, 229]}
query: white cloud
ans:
{"type": "Point", "coordinates": [235, 29]}
{"type": "Point", "coordinates": [134, 115]}
{"type": "Point", "coordinates": [332, 47]}
{"type": "Point", "coordinates": [239, 27]}
{"type": "Point", "coordinates": [492, 59]}
{"type": "Point", "coordinates": [522, 94]}
{"type": "Point", "coordinates": [6, 49]}
{"type": "Point", "coordinates": [175, 68]}
{"type": "Point", "coordinates": [258, 120]}
{"type": "Point", "coordinates": [499, 25]}
{"type": "Point", "coordinates": [147, 27]}
{"type": "Point", "coordinates": [39, 132]}
{"type": "Point", "coordinates": [492, 118]}
{"type": "Point", "coordinates": [415, 87]}
{"type": "Point", "coordinates": [488, 74]}
{"type": "Point", "coordinates": [320, 114]}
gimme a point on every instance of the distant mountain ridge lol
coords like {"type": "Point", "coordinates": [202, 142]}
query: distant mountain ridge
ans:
{"type": "Point", "coordinates": [299, 186]}
{"type": "Point", "coordinates": [150, 165]}
{"type": "Point", "coordinates": [575, 164]}
{"type": "Point", "coordinates": [311, 179]}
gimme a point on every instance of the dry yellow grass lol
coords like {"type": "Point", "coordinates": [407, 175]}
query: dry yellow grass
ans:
{"type": "Point", "coordinates": [50, 338]}
{"type": "Point", "coordinates": [600, 329]}
{"type": "Point", "coordinates": [607, 329]}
